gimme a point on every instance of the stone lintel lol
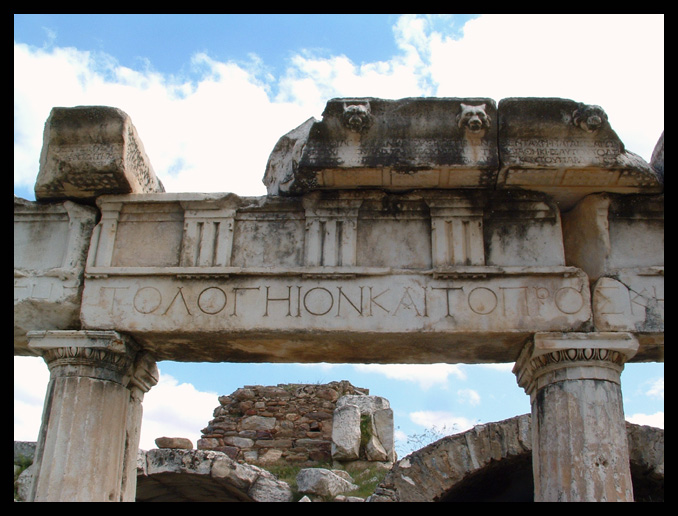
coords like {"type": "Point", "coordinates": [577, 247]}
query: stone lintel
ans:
{"type": "Point", "coordinates": [89, 151]}
{"type": "Point", "coordinates": [553, 356]}
{"type": "Point", "coordinates": [364, 315]}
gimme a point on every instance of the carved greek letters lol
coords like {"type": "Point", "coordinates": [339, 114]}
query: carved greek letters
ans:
{"type": "Point", "coordinates": [634, 304]}
{"type": "Point", "coordinates": [357, 304]}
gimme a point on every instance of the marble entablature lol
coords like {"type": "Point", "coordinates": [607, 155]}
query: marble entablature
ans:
{"type": "Point", "coordinates": [462, 225]}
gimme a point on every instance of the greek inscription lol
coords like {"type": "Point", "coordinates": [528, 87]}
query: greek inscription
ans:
{"type": "Point", "coordinates": [147, 300]}
{"type": "Point", "coordinates": [569, 300]}
{"type": "Point", "coordinates": [608, 303]}
{"type": "Point", "coordinates": [563, 151]}
{"type": "Point", "coordinates": [135, 159]}
{"type": "Point", "coordinates": [94, 153]}
{"type": "Point", "coordinates": [212, 300]}
{"type": "Point", "coordinates": [283, 299]}
{"type": "Point", "coordinates": [482, 300]}
{"type": "Point", "coordinates": [323, 299]}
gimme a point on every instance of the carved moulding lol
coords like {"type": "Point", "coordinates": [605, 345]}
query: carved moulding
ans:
{"type": "Point", "coordinates": [105, 355]}
{"type": "Point", "coordinates": [552, 357]}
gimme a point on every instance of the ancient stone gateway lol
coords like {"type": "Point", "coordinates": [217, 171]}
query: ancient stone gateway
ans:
{"type": "Point", "coordinates": [394, 231]}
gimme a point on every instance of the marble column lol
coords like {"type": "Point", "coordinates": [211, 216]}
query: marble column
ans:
{"type": "Point", "coordinates": [579, 446]}
{"type": "Point", "coordinates": [91, 417]}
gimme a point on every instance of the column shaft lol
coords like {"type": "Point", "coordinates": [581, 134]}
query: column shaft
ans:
{"type": "Point", "coordinates": [580, 451]}
{"type": "Point", "coordinates": [89, 435]}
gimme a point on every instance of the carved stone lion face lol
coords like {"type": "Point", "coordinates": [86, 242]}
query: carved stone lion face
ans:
{"type": "Point", "coordinates": [357, 117]}
{"type": "Point", "coordinates": [589, 118]}
{"type": "Point", "coordinates": [473, 118]}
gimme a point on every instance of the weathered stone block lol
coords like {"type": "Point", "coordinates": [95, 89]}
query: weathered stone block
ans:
{"type": "Point", "coordinates": [50, 251]}
{"type": "Point", "coordinates": [90, 151]}
{"type": "Point", "coordinates": [322, 482]}
{"type": "Point", "coordinates": [604, 233]}
{"type": "Point", "coordinates": [346, 433]}
{"type": "Point", "coordinates": [633, 300]}
{"type": "Point", "coordinates": [174, 443]}
{"type": "Point", "coordinates": [392, 144]}
{"type": "Point", "coordinates": [567, 149]}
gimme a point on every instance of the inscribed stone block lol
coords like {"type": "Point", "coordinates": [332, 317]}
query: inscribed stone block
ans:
{"type": "Point", "coordinates": [89, 151]}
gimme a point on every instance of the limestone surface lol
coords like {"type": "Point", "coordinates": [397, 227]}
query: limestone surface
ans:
{"type": "Point", "coordinates": [392, 144]}
{"type": "Point", "coordinates": [90, 151]}
{"type": "Point", "coordinates": [51, 242]}
{"type": "Point", "coordinates": [190, 475]}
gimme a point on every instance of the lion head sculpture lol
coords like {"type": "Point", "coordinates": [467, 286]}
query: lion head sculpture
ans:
{"type": "Point", "coordinates": [357, 117]}
{"type": "Point", "coordinates": [473, 118]}
{"type": "Point", "coordinates": [588, 117]}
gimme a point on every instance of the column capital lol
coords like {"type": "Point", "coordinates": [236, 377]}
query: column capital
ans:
{"type": "Point", "coordinates": [553, 357]}
{"type": "Point", "coordinates": [106, 355]}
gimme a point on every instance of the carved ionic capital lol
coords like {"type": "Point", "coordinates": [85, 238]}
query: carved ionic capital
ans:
{"type": "Point", "coordinates": [105, 355]}
{"type": "Point", "coordinates": [554, 357]}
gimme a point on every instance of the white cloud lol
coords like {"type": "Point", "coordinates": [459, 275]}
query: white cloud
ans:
{"type": "Point", "coordinates": [441, 421]}
{"type": "Point", "coordinates": [616, 61]}
{"type": "Point", "coordinates": [31, 377]}
{"type": "Point", "coordinates": [656, 420]}
{"type": "Point", "coordinates": [656, 390]}
{"type": "Point", "coordinates": [468, 396]}
{"type": "Point", "coordinates": [173, 409]}
{"type": "Point", "coordinates": [425, 375]}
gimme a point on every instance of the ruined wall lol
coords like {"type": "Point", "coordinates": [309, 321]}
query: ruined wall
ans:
{"type": "Point", "coordinates": [265, 424]}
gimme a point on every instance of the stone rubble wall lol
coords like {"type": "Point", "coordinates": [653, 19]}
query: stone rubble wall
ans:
{"type": "Point", "coordinates": [265, 424]}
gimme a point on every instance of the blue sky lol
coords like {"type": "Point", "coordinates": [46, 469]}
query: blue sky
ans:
{"type": "Point", "coordinates": [211, 94]}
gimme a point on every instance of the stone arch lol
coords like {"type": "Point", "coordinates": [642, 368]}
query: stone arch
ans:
{"type": "Point", "coordinates": [171, 475]}
{"type": "Point", "coordinates": [493, 462]}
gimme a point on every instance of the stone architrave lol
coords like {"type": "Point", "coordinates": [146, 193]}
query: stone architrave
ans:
{"type": "Point", "coordinates": [50, 250]}
{"type": "Point", "coordinates": [392, 144]}
{"type": "Point", "coordinates": [567, 149]}
{"type": "Point", "coordinates": [87, 444]}
{"type": "Point", "coordinates": [579, 444]}
{"type": "Point", "coordinates": [89, 151]}
{"type": "Point", "coordinates": [633, 300]}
